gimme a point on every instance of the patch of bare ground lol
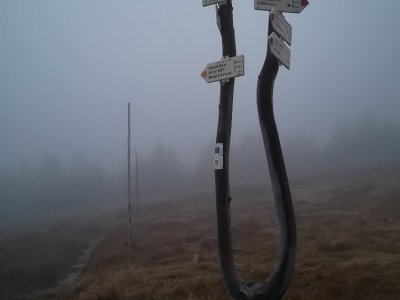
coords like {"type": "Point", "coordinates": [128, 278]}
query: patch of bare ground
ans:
{"type": "Point", "coordinates": [348, 246]}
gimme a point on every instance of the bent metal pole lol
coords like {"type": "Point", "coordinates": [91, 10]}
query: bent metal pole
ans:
{"type": "Point", "coordinates": [276, 285]}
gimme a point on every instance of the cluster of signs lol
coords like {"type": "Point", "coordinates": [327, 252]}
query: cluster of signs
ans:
{"type": "Point", "coordinates": [282, 32]}
{"type": "Point", "coordinates": [281, 35]}
{"type": "Point", "coordinates": [234, 66]}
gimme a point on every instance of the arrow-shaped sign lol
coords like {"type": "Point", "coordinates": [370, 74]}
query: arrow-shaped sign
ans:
{"type": "Point", "coordinates": [224, 69]}
{"type": "Point", "coordinates": [279, 49]}
{"type": "Point", "coordinates": [281, 26]}
{"type": "Point", "coordinates": [211, 2]}
{"type": "Point", "coordinates": [291, 6]}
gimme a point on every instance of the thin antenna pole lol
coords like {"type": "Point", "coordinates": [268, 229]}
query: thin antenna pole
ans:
{"type": "Point", "coordinates": [129, 179]}
{"type": "Point", "coordinates": [137, 187]}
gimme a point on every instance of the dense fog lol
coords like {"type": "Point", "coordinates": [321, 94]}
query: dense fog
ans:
{"type": "Point", "coordinates": [51, 189]}
{"type": "Point", "coordinates": [68, 70]}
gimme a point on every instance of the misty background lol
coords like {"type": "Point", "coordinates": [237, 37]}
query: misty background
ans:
{"type": "Point", "coordinates": [68, 70]}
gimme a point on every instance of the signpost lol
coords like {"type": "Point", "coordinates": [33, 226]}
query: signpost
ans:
{"type": "Point", "coordinates": [290, 6]}
{"type": "Point", "coordinates": [281, 26]}
{"type": "Point", "coordinates": [279, 49]}
{"type": "Point", "coordinates": [280, 36]}
{"type": "Point", "coordinates": [211, 2]}
{"type": "Point", "coordinates": [224, 69]}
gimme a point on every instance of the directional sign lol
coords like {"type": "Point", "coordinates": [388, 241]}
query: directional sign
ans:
{"type": "Point", "coordinates": [224, 69]}
{"type": "Point", "coordinates": [281, 26]}
{"type": "Point", "coordinates": [291, 6]}
{"type": "Point", "coordinates": [279, 49]}
{"type": "Point", "coordinates": [211, 2]}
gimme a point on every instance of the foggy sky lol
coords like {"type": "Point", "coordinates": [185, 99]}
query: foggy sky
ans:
{"type": "Point", "coordinates": [69, 68]}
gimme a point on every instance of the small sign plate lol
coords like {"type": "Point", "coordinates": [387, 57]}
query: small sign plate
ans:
{"type": "Point", "coordinates": [279, 49]}
{"type": "Point", "coordinates": [224, 69]}
{"type": "Point", "coordinates": [290, 6]}
{"type": "Point", "coordinates": [211, 2]}
{"type": "Point", "coordinates": [219, 156]}
{"type": "Point", "coordinates": [281, 26]}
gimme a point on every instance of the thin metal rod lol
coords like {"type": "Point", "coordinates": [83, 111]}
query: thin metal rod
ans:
{"type": "Point", "coordinates": [129, 180]}
{"type": "Point", "coordinates": [137, 188]}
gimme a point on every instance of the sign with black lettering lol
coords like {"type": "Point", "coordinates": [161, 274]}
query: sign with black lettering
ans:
{"type": "Point", "coordinates": [279, 49]}
{"type": "Point", "coordinates": [281, 26]}
{"type": "Point", "coordinates": [290, 6]}
{"type": "Point", "coordinates": [224, 69]}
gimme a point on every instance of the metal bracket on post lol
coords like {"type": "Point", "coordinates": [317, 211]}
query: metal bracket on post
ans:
{"type": "Point", "coordinates": [224, 81]}
{"type": "Point", "coordinates": [218, 18]}
{"type": "Point", "coordinates": [217, 6]}
{"type": "Point", "coordinates": [222, 3]}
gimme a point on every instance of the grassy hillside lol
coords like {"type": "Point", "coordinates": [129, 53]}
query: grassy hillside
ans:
{"type": "Point", "coordinates": [348, 244]}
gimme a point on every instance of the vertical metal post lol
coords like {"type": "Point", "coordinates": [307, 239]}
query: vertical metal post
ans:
{"type": "Point", "coordinates": [230, 277]}
{"type": "Point", "coordinates": [129, 180]}
{"type": "Point", "coordinates": [137, 188]}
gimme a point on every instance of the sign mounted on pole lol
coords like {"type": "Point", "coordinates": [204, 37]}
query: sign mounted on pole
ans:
{"type": "Point", "coordinates": [279, 49]}
{"type": "Point", "coordinates": [290, 6]}
{"type": "Point", "coordinates": [281, 26]}
{"type": "Point", "coordinates": [211, 2]}
{"type": "Point", "coordinates": [224, 69]}
{"type": "Point", "coordinates": [219, 156]}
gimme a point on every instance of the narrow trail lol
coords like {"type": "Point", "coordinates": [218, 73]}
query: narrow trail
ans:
{"type": "Point", "coordinates": [71, 280]}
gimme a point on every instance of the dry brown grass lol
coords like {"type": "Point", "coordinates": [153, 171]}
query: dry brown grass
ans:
{"type": "Point", "coordinates": [348, 247]}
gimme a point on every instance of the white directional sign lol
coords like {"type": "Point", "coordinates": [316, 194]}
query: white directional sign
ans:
{"type": "Point", "coordinates": [211, 2]}
{"type": "Point", "coordinates": [224, 69]}
{"type": "Point", "coordinates": [279, 49]}
{"type": "Point", "coordinates": [291, 6]}
{"type": "Point", "coordinates": [281, 26]}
